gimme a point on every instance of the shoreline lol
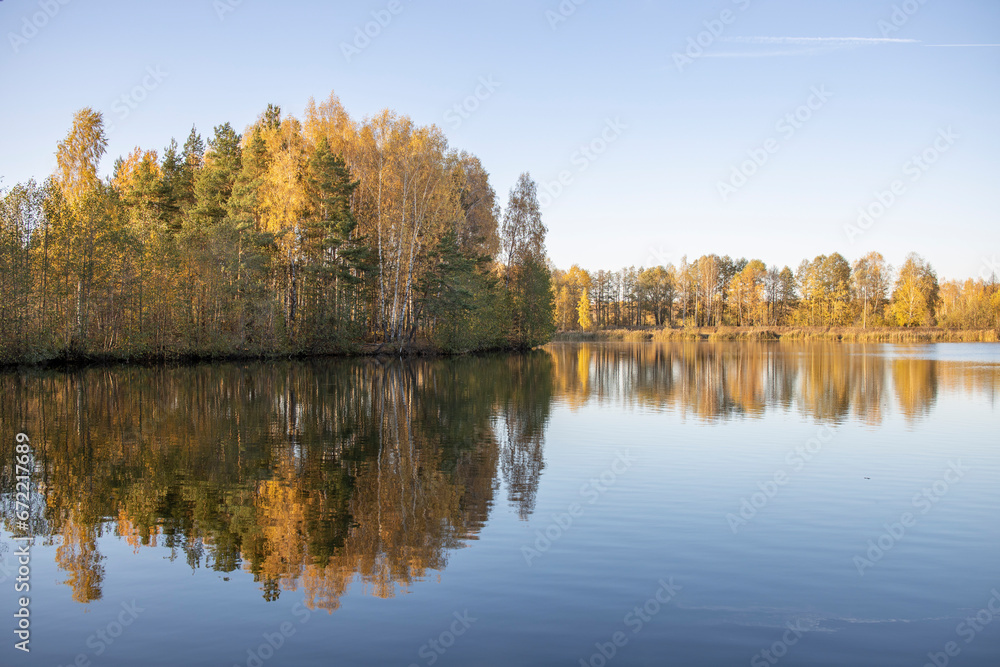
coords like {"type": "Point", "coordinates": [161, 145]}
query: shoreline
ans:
{"type": "Point", "coordinates": [774, 334]}
{"type": "Point", "coordinates": [75, 362]}
{"type": "Point", "coordinates": [64, 362]}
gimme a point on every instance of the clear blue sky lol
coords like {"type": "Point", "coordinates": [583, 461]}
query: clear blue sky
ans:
{"type": "Point", "coordinates": [653, 194]}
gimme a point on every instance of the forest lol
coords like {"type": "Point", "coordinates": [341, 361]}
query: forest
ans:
{"type": "Point", "coordinates": [328, 235]}
{"type": "Point", "coordinates": [828, 291]}
{"type": "Point", "coordinates": [324, 235]}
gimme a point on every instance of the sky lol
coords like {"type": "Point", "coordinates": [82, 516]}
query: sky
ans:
{"type": "Point", "coordinates": [770, 129]}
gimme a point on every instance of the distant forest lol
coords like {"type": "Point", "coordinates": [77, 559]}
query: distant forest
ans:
{"type": "Point", "coordinates": [826, 291]}
{"type": "Point", "coordinates": [325, 235]}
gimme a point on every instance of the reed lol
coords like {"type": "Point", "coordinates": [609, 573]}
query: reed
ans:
{"type": "Point", "coordinates": [766, 334]}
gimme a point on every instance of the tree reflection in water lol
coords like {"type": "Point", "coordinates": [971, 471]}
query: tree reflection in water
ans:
{"type": "Point", "coordinates": [325, 473]}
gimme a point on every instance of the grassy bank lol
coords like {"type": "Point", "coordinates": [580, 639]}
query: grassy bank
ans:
{"type": "Point", "coordinates": [837, 334]}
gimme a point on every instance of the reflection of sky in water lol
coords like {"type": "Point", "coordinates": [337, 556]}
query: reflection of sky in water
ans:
{"type": "Point", "coordinates": [366, 503]}
{"type": "Point", "coordinates": [975, 353]}
{"type": "Point", "coordinates": [826, 381]}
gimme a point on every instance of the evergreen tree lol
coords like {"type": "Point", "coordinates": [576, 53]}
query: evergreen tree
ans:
{"type": "Point", "coordinates": [213, 183]}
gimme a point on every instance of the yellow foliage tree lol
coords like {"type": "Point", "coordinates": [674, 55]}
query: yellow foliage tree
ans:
{"type": "Point", "coordinates": [583, 311]}
{"type": "Point", "coordinates": [916, 293]}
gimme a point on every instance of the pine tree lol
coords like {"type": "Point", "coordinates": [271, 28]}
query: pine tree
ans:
{"type": "Point", "coordinates": [213, 183]}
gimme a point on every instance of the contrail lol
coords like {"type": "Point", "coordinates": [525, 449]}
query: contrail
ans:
{"type": "Point", "coordinates": [810, 41]}
{"type": "Point", "coordinates": [805, 45]}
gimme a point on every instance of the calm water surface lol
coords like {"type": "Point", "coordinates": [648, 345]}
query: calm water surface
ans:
{"type": "Point", "coordinates": [675, 504]}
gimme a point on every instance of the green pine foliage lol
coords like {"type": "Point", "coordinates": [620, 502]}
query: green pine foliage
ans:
{"type": "Point", "coordinates": [288, 239]}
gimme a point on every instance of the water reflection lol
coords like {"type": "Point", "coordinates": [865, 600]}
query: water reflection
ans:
{"type": "Point", "coordinates": [325, 474]}
{"type": "Point", "coordinates": [828, 382]}
{"type": "Point", "coordinates": [305, 474]}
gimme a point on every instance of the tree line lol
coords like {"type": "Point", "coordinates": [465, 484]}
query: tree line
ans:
{"type": "Point", "coordinates": [319, 235]}
{"type": "Point", "coordinates": [825, 291]}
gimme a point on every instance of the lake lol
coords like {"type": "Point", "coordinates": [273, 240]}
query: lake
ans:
{"type": "Point", "coordinates": [584, 504]}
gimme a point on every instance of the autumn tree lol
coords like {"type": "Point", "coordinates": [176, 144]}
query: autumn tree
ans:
{"type": "Point", "coordinates": [78, 156]}
{"type": "Point", "coordinates": [655, 291]}
{"type": "Point", "coordinates": [972, 304]}
{"type": "Point", "coordinates": [25, 316]}
{"type": "Point", "coordinates": [747, 299]}
{"type": "Point", "coordinates": [915, 294]}
{"type": "Point", "coordinates": [569, 286]}
{"type": "Point", "coordinates": [522, 235]}
{"type": "Point", "coordinates": [871, 278]}
{"type": "Point", "coordinates": [825, 286]}
{"type": "Point", "coordinates": [528, 279]}
{"type": "Point", "coordinates": [583, 311]}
